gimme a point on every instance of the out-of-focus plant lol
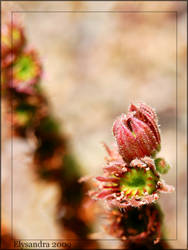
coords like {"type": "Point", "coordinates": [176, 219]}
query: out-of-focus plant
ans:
{"type": "Point", "coordinates": [30, 117]}
{"type": "Point", "coordinates": [132, 182]}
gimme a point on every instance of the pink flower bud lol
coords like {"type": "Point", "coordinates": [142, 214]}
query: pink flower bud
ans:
{"type": "Point", "coordinates": [137, 133]}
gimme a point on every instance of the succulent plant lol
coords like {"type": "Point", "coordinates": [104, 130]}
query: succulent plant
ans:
{"type": "Point", "coordinates": [30, 117]}
{"type": "Point", "coordinates": [131, 182]}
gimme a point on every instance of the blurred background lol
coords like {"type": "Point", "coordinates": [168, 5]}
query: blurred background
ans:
{"type": "Point", "coordinates": [97, 59]}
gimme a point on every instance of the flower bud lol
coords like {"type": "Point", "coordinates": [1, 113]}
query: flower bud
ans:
{"type": "Point", "coordinates": [137, 134]}
{"type": "Point", "coordinates": [161, 165]}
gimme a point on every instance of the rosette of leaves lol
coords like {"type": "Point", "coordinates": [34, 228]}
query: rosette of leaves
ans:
{"type": "Point", "coordinates": [136, 224]}
{"type": "Point", "coordinates": [133, 184]}
{"type": "Point", "coordinates": [25, 72]}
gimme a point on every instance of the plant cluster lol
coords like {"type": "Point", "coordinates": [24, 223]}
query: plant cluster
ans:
{"type": "Point", "coordinates": [30, 117]}
{"type": "Point", "coordinates": [131, 183]}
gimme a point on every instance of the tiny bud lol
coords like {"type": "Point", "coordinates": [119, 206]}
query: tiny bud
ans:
{"type": "Point", "coordinates": [161, 165]}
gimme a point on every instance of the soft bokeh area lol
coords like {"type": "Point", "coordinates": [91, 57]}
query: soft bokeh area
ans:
{"type": "Point", "coordinates": [98, 58]}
